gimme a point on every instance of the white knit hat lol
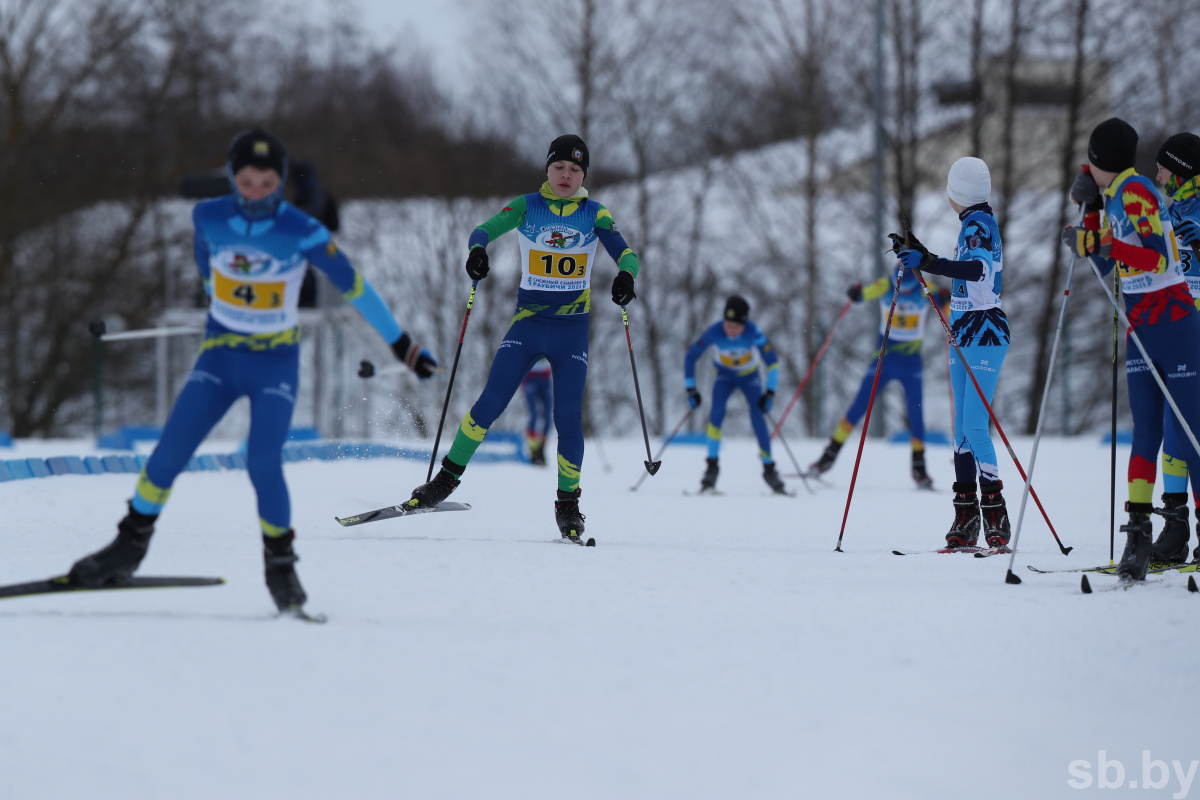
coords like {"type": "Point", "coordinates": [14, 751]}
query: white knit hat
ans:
{"type": "Point", "coordinates": [969, 182]}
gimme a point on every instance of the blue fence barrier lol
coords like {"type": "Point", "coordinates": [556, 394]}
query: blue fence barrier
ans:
{"type": "Point", "coordinates": [510, 448]}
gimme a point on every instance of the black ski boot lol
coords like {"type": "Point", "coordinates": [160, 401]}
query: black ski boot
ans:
{"type": "Point", "coordinates": [567, 515]}
{"type": "Point", "coordinates": [708, 483]}
{"type": "Point", "coordinates": [822, 464]}
{"type": "Point", "coordinates": [1172, 544]}
{"type": "Point", "coordinates": [965, 530]}
{"type": "Point", "coordinates": [279, 559]}
{"type": "Point", "coordinates": [995, 515]}
{"type": "Point", "coordinates": [773, 480]}
{"type": "Point", "coordinates": [428, 495]}
{"type": "Point", "coordinates": [1138, 541]}
{"type": "Point", "coordinates": [918, 470]}
{"type": "Point", "coordinates": [119, 559]}
{"type": "Point", "coordinates": [537, 454]}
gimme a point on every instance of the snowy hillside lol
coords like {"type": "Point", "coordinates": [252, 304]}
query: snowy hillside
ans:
{"type": "Point", "coordinates": [710, 647]}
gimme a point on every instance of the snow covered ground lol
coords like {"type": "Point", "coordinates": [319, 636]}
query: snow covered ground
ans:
{"type": "Point", "coordinates": [708, 647]}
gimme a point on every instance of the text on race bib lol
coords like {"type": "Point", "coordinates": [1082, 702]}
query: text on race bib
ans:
{"type": "Point", "coordinates": [264, 295]}
{"type": "Point", "coordinates": [572, 266]}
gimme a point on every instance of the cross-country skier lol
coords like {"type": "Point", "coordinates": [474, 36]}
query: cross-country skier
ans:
{"type": "Point", "coordinates": [252, 249]}
{"type": "Point", "coordinates": [981, 330]}
{"type": "Point", "coordinates": [539, 397]}
{"type": "Point", "coordinates": [1139, 240]}
{"type": "Point", "coordinates": [559, 232]}
{"type": "Point", "coordinates": [737, 342]}
{"type": "Point", "coordinates": [1178, 167]}
{"type": "Point", "coordinates": [901, 362]}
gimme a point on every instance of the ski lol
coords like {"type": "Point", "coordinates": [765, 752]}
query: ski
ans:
{"type": "Point", "coordinates": [704, 493]}
{"type": "Point", "coordinates": [971, 549]}
{"type": "Point", "coordinates": [62, 584]}
{"type": "Point", "coordinates": [993, 551]}
{"type": "Point", "coordinates": [1086, 587]}
{"type": "Point", "coordinates": [589, 542]}
{"type": "Point", "coordinates": [1109, 569]}
{"type": "Point", "coordinates": [390, 512]}
{"type": "Point", "coordinates": [304, 616]}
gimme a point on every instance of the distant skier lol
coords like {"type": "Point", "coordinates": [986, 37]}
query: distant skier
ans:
{"type": "Point", "coordinates": [539, 398]}
{"type": "Point", "coordinates": [252, 249]}
{"type": "Point", "coordinates": [737, 342]}
{"type": "Point", "coordinates": [981, 331]}
{"type": "Point", "coordinates": [1139, 239]}
{"type": "Point", "coordinates": [901, 362]}
{"type": "Point", "coordinates": [560, 230]}
{"type": "Point", "coordinates": [1178, 167]}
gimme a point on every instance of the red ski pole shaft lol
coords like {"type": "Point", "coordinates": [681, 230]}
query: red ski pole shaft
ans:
{"type": "Point", "coordinates": [862, 439]}
{"type": "Point", "coordinates": [988, 406]}
{"type": "Point", "coordinates": [811, 367]}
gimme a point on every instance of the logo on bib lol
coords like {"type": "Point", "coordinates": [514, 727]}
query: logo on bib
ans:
{"type": "Point", "coordinates": [558, 241]}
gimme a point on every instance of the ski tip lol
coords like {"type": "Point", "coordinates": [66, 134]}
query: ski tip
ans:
{"type": "Point", "coordinates": [1084, 586]}
{"type": "Point", "coordinates": [1011, 578]}
{"type": "Point", "coordinates": [591, 543]}
{"type": "Point", "coordinates": [1192, 584]}
{"type": "Point", "coordinates": [652, 466]}
{"type": "Point", "coordinates": [898, 553]}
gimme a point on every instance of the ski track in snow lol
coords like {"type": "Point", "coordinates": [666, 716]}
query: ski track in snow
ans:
{"type": "Point", "coordinates": [708, 647]}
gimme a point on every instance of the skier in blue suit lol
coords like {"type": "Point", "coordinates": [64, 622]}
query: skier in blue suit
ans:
{"type": "Point", "coordinates": [252, 250]}
{"type": "Point", "coordinates": [738, 343]}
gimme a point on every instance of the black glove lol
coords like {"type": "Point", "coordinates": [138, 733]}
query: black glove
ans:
{"type": "Point", "coordinates": [418, 359]}
{"type": "Point", "coordinates": [477, 263]}
{"type": "Point", "coordinates": [766, 401]}
{"type": "Point", "coordinates": [1085, 192]}
{"type": "Point", "coordinates": [622, 288]}
{"type": "Point", "coordinates": [366, 369]}
{"type": "Point", "coordinates": [694, 398]}
{"type": "Point", "coordinates": [913, 244]}
{"type": "Point", "coordinates": [855, 292]}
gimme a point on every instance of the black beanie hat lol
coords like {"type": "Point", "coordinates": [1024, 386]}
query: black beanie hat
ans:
{"type": "Point", "coordinates": [257, 148]}
{"type": "Point", "coordinates": [1113, 145]}
{"type": "Point", "coordinates": [1181, 155]}
{"type": "Point", "coordinates": [568, 147]}
{"type": "Point", "coordinates": [737, 309]}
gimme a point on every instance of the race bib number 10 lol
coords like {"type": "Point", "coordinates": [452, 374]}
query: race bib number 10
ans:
{"type": "Point", "coordinates": [265, 295]}
{"type": "Point", "coordinates": [572, 266]}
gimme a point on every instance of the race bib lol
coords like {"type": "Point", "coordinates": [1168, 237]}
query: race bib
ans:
{"type": "Point", "coordinates": [560, 266]}
{"type": "Point", "coordinates": [261, 296]}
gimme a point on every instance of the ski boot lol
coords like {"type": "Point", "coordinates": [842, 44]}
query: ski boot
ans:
{"type": "Point", "coordinates": [119, 559]}
{"type": "Point", "coordinates": [428, 495]}
{"type": "Point", "coordinates": [1138, 541]}
{"type": "Point", "coordinates": [537, 454]}
{"type": "Point", "coordinates": [964, 532]}
{"type": "Point", "coordinates": [708, 483]}
{"type": "Point", "coordinates": [772, 478]}
{"type": "Point", "coordinates": [279, 559]}
{"type": "Point", "coordinates": [996, 530]}
{"type": "Point", "coordinates": [568, 516]}
{"type": "Point", "coordinates": [823, 464]}
{"type": "Point", "coordinates": [918, 470]}
{"type": "Point", "coordinates": [1172, 544]}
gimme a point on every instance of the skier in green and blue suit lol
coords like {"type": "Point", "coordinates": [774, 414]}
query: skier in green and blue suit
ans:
{"type": "Point", "coordinates": [560, 229]}
{"type": "Point", "coordinates": [737, 343]}
{"type": "Point", "coordinates": [252, 250]}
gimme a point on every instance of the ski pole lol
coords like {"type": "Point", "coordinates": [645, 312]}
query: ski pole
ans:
{"type": "Point", "coordinates": [811, 367]}
{"type": "Point", "coordinates": [651, 465]}
{"type": "Point", "coordinates": [99, 330]}
{"type": "Point", "coordinates": [992, 414]}
{"type": "Point", "coordinates": [1146, 355]}
{"type": "Point", "coordinates": [1112, 469]}
{"type": "Point", "coordinates": [1037, 436]}
{"type": "Point", "coordinates": [862, 439]}
{"type": "Point", "coordinates": [666, 442]}
{"type": "Point", "coordinates": [795, 463]}
{"type": "Point", "coordinates": [450, 386]}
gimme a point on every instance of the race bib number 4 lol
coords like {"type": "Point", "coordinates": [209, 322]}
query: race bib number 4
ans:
{"type": "Point", "coordinates": [571, 266]}
{"type": "Point", "coordinates": [261, 296]}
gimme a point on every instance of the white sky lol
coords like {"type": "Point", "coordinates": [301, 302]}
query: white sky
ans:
{"type": "Point", "coordinates": [440, 25]}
